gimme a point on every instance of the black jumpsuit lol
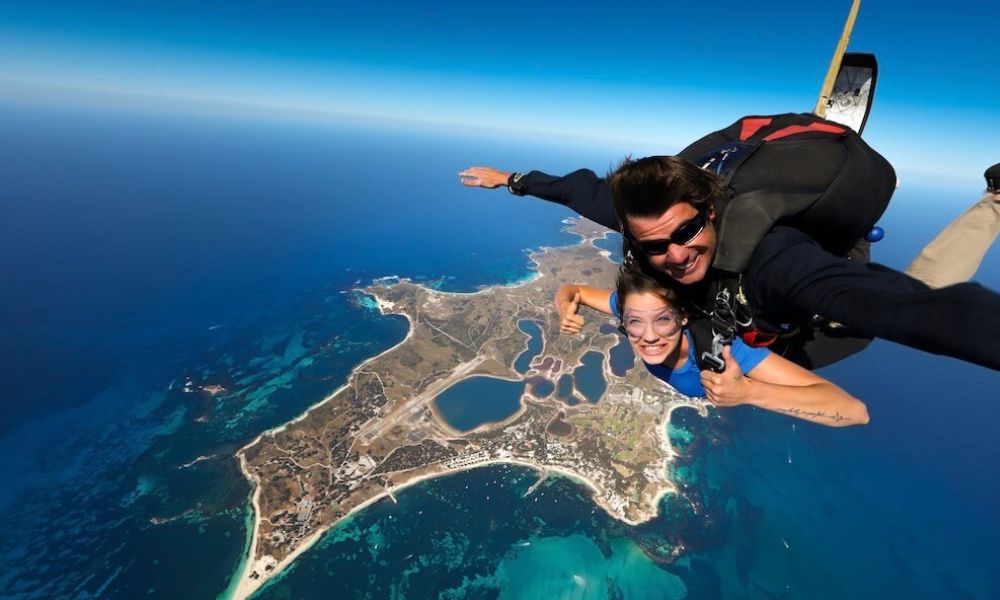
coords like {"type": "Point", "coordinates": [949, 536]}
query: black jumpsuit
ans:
{"type": "Point", "coordinates": [790, 278]}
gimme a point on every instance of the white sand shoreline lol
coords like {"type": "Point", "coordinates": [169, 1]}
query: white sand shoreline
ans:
{"type": "Point", "coordinates": [246, 586]}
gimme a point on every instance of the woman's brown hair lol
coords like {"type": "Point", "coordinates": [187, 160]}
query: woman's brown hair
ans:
{"type": "Point", "coordinates": [632, 280]}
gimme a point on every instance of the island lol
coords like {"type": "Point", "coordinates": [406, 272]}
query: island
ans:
{"type": "Point", "coordinates": [383, 430]}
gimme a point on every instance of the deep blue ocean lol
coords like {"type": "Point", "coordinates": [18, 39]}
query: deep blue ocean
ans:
{"type": "Point", "coordinates": [145, 254]}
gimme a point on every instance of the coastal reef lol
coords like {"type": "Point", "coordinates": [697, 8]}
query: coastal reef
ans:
{"type": "Point", "coordinates": [382, 430]}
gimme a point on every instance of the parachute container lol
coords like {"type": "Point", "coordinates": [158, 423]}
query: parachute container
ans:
{"type": "Point", "coordinates": [853, 92]}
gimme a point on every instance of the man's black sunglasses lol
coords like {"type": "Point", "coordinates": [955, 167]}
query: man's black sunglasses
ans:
{"type": "Point", "coordinates": [682, 236]}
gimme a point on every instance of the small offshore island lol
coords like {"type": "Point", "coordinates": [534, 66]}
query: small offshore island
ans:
{"type": "Point", "coordinates": [382, 430]}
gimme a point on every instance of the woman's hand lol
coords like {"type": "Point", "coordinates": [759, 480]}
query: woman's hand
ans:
{"type": "Point", "coordinates": [778, 385]}
{"type": "Point", "coordinates": [568, 299]}
{"type": "Point", "coordinates": [569, 319]}
{"type": "Point", "coordinates": [730, 387]}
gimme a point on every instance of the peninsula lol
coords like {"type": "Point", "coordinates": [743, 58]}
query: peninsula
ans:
{"type": "Point", "coordinates": [382, 431]}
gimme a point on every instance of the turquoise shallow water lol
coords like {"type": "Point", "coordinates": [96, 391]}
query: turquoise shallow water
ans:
{"type": "Point", "coordinates": [575, 567]}
{"type": "Point", "coordinates": [171, 250]}
{"type": "Point", "coordinates": [236, 268]}
{"type": "Point", "coordinates": [477, 535]}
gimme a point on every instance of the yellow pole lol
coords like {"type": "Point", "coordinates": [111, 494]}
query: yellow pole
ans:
{"type": "Point", "coordinates": [838, 56]}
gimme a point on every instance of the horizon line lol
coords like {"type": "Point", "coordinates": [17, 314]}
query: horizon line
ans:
{"type": "Point", "coordinates": [34, 93]}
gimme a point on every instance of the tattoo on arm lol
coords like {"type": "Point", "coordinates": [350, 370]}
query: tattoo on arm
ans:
{"type": "Point", "coordinates": [798, 412]}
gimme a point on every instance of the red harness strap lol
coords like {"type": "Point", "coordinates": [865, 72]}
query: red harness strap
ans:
{"type": "Point", "coordinates": [793, 129]}
{"type": "Point", "coordinates": [758, 339]}
{"type": "Point", "coordinates": [751, 126]}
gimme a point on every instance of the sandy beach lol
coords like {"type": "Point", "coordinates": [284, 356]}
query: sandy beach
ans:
{"type": "Point", "coordinates": [247, 586]}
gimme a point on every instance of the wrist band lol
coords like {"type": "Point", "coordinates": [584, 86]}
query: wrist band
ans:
{"type": "Point", "coordinates": [515, 184]}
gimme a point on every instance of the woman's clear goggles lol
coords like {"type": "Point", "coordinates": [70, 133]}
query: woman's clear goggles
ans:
{"type": "Point", "coordinates": [665, 322]}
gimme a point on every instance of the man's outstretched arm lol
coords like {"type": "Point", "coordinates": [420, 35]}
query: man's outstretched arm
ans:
{"type": "Point", "coordinates": [789, 271]}
{"type": "Point", "coordinates": [582, 191]}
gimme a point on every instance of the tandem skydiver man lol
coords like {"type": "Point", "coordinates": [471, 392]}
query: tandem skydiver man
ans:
{"type": "Point", "coordinates": [760, 228]}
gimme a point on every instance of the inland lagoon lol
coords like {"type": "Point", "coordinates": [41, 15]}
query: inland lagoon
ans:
{"type": "Point", "coordinates": [590, 376]}
{"type": "Point", "coordinates": [534, 345]}
{"type": "Point", "coordinates": [479, 400]}
{"type": "Point", "coordinates": [621, 357]}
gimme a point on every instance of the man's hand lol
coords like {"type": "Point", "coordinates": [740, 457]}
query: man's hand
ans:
{"type": "Point", "coordinates": [730, 387]}
{"type": "Point", "coordinates": [484, 177]}
{"type": "Point", "coordinates": [569, 320]}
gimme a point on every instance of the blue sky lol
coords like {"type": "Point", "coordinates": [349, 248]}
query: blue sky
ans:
{"type": "Point", "coordinates": [644, 77]}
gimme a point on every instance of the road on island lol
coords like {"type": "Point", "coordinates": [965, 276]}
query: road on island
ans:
{"type": "Point", "coordinates": [380, 425]}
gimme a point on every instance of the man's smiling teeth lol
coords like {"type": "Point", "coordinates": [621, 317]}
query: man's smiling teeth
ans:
{"type": "Point", "coordinates": [686, 265]}
{"type": "Point", "coordinates": [653, 349]}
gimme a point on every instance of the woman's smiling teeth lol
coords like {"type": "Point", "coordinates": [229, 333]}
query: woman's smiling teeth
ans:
{"type": "Point", "coordinates": [652, 349]}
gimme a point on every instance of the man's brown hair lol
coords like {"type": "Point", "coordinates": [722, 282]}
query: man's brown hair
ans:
{"type": "Point", "coordinates": [647, 187]}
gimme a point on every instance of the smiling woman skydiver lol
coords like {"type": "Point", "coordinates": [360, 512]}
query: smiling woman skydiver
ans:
{"type": "Point", "coordinates": [654, 322]}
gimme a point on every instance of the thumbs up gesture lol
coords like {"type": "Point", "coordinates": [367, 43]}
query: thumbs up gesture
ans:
{"type": "Point", "coordinates": [569, 320]}
{"type": "Point", "coordinates": [728, 388]}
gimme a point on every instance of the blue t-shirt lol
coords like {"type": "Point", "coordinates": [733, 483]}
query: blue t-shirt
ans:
{"type": "Point", "coordinates": [687, 379]}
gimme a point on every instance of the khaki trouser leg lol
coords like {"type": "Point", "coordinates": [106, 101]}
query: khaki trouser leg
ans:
{"type": "Point", "coordinates": [956, 253]}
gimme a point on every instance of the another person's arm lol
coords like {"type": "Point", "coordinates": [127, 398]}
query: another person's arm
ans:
{"type": "Point", "coordinates": [581, 191]}
{"type": "Point", "coordinates": [954, 255]}
{"type": "Point", "coordinates": [779, 385]}
{"type": "Point", "coordinates": [568, 299]}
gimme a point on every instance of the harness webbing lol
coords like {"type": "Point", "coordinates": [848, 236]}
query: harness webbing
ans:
{"type": "Point", "coordinates": [751, 126]}
{"type": "Point", "coordinates": [794, 129]}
